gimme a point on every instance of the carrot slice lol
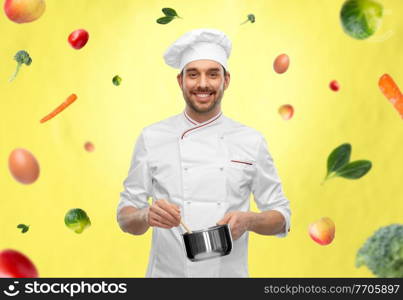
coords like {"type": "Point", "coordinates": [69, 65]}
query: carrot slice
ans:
{"type": "Point", "coordinates": [389, 88]}
{"type": "Point", "coordinates": [60, 108]}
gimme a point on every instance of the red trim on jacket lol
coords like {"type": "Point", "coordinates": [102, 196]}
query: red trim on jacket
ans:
{"type": "Point", "coordinates": [219, 115]}
{"type": "Point", "coordinates": [189, 119]}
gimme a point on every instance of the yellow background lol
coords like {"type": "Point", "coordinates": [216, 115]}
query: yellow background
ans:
{"type": "Point", "coordinates": [126, 40]}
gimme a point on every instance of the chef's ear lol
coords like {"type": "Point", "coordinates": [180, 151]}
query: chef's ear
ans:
{"type": "Point", "coordinates": [227, 79]}
{"type": "Point", "coordinates": [179, 77]}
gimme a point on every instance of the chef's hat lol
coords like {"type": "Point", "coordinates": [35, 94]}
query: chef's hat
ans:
{"type": "Point", "coordinates": [198, 44]}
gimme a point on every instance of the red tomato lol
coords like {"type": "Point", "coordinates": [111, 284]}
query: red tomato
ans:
{"type": "Point", "coordinates": [89, 146]}
{"type": "Point", "coordinates": [334, 85]}
{"type": "Point", "coordinates": [78, 38]}
{"type": "Point", "coordinates": [14, 264]}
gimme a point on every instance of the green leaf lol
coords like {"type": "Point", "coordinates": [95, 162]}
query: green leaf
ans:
{"type": "Point", "coordinates": [338, 158]}
{"type": "Point", "coordinates": [355, 169]}
{"type": "Point", "coordinates": [169, 12]}
{"type": "Point", "coordinates": [165, 20]}
{"type": "Point", "coordinates": [23, 227]}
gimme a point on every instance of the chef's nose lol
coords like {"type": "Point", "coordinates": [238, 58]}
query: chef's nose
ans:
{"type": "Point", "coordinates": [203, 80]}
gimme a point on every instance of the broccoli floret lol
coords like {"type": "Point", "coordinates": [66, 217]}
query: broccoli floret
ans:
{"type": "Point", "coordinates": [77, 220]}
{"type": "Point", "coordinates": [251, 18]}
{"type": "Point", "coordinates": [382, 253]}
{"type": "Point", "coordinates": [22, 57]}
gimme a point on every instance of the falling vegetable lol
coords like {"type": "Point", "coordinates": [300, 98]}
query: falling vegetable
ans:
{"type": "Point", "coordinates": [334, 85]}
{"type": "Point", "coordinates": [338, 158]}
{"type": "Point", "coordinates": [361, 18]}
{"type": "Point", "coordinates": [355, 169]}
{"type": "Point", "coordinates": [164, 20]}
{"type": "Point", "coordinates": [14, 264]}
{"type": "Point", "coordinates": [170, 14]}
{"type": "Point", "coordinates": [382, 253]}
{"type": "Point", "coordinates": [89, 147]}
{"type": "Point", "coordinates": [78, 38]}
{"type": "Point", "coordinates": [60, 108]}
{"type": "Point", "coordinates": [22, 57]}
{"type": "Point", "coordinates": [77, 220]}
{"type": "Point", "coordinates": [389, 88]}
{"type": "Point", "coordinates": [338, 164]}
{"type": "Point", "coordinates": [116, 80]}
{"type": "Point", "coordinates": [251, 18]}
{"type": "Point", "coordinates": [24, 228]}
{"type": "Point", "coordinates": [391, 91]}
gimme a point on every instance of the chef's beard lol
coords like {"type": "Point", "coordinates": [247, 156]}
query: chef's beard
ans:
{"type": "Point", "coordinates": [195, 106]}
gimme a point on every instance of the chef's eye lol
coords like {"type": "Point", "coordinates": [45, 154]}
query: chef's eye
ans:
{"type": "Point", "coordinates": [213, 75]}
{"type": "Point", "coordinates": [192, 75]}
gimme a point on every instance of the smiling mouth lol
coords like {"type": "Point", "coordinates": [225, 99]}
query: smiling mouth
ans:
{"type": "Point", "coordinates": [203, 97]}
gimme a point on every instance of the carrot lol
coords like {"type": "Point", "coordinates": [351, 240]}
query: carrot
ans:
{"type": "Point", "coordinates": [391, 92]}
{"type": "Point", "coordinates": [60, 108]}
{"type": "Point", "coordinates": [389, 88]}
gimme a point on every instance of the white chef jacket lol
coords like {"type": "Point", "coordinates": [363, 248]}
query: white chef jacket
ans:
{"type": "Point", "coordinates": [207, 169]}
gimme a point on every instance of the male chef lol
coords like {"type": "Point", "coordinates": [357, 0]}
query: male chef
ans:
{"type": "Point", "coordinates": [201, 166]}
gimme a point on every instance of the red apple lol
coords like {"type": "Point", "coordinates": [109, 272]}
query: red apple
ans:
{"type": "Point", "coordinates": [14, 264]}
{"type": "Point", "coordinates": [286, 111]}
{"type": "Point", "coordinates": [24, 11]}
{"type": "Point", "coordinates": [78, 38]}
{"type": "Point", "coordinates": [322, 231]}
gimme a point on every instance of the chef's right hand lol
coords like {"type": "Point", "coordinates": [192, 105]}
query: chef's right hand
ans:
{"type": "Point", "coordinates": [164, 214]}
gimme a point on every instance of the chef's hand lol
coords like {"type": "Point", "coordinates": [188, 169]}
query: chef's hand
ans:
{"type": "Point", "coordinates": [163, 214]}
{"type": "Point", "coordinates": [238, 222]}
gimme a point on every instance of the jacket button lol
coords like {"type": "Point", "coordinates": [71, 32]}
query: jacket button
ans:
{"type": "Point", "coordinates": [221, 169]}
{"type": "Point", "coordinates": [185, 169]}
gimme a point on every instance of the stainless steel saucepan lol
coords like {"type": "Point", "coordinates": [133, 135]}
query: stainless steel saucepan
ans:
{"type": "Point", "coordinates": [208, 243]}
